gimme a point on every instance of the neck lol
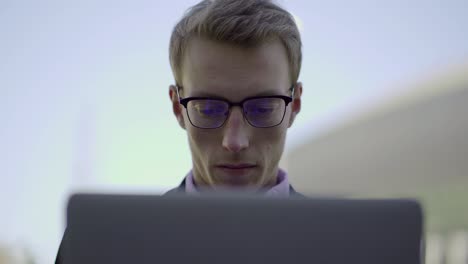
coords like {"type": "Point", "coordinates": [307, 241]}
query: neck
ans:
{"type": "Point", "coordinates": [200, 182]}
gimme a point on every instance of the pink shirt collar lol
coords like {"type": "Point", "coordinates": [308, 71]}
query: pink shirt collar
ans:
{"type": "Point", "coordinates": [281, 189]}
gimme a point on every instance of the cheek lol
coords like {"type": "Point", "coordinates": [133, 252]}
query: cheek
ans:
{"type": "Point", "coordinates": [271, 141]}
{"type": "Point", "coordinates": [201, 141]}
{"type": "Point", "coordinates": [287, 116]}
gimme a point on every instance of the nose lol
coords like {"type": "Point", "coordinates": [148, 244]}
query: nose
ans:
{"type": "Point", "coordinates": [235, 137]}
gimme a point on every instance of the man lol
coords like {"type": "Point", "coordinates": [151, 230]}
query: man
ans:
{"type": "Point", "coordinates": [236, 64]}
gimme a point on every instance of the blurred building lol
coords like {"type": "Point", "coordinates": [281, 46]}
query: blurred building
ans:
{"type": "Point", "coordinates": [414, 144]}
{"type": "Point", "coordinates": [14, 254]}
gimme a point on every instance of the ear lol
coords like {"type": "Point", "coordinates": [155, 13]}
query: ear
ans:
{"type": "Point", "coordinates": [177, 108]}
{"type": "Point", "coordinates": [296, 103]}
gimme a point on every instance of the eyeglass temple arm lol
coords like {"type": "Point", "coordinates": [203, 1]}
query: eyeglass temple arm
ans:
{"type": "Point", "coordinates": [177, 91]}
{"type": "Point", "coordinates": [292, 89]}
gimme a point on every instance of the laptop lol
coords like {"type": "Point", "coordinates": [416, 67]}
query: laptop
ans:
{"type": "Point", "coordinates": [214, 229]}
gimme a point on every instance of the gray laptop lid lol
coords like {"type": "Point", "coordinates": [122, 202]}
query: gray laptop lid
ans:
{"type": "Point", "coordinates": [231, 229]}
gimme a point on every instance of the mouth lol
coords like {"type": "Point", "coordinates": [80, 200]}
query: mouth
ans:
{"type": "Point", "coordinates": [237, 166]}
{"type": "Point", "coordinates": [235, 171]}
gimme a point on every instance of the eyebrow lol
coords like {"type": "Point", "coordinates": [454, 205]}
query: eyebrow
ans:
{"type": "Point", "coordinates": [213, 95]}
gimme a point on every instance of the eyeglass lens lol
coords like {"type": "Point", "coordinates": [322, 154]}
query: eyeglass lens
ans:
{"type": "Point", "coordinates": [260, 112]}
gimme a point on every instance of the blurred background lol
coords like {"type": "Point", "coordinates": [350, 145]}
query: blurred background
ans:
{"type": "Point", "coordinates": [84, 106]}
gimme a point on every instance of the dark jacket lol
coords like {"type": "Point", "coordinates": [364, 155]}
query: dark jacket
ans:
{"type": "Point", "coordinates": [178, 190]}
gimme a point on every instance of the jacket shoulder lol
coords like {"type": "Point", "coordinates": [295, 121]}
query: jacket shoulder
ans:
{"type": "Point", "coordinates": [176, 191]}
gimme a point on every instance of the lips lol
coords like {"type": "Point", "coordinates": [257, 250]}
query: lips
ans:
{"type": "Point", "coordinates": [236, 173]}
{"type": "Point", "coordinates": [237, 166]}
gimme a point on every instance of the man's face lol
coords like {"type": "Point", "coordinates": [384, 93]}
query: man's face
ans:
{"type": "Point", "coordinates": [236, 154]}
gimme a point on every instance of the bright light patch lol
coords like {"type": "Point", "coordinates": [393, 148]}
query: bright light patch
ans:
{"type": "Point", "coordinates": [299, 23]}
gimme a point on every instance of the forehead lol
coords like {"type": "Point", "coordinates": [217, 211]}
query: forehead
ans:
{"type": "Point", "coordinates": [234, 72]}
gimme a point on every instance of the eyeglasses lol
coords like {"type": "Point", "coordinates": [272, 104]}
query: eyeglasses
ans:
{"type": "Point", "coordinates": [259, 111]}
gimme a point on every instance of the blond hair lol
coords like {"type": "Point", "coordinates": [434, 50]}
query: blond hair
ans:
{"type": "Point", "coordinates": [246, 23]}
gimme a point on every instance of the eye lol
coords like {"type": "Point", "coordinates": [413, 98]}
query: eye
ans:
{"type": "Point", "coordinates": [210, 109]}
{"type": "Point", "coordinates": [262, 109]}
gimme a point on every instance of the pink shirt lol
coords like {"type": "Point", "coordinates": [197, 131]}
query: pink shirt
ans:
{"type": "Point", "coordinates": [281, 189]}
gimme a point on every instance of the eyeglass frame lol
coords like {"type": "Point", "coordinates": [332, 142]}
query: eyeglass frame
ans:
{"type": "Point", "coordinates": [287, 100]}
